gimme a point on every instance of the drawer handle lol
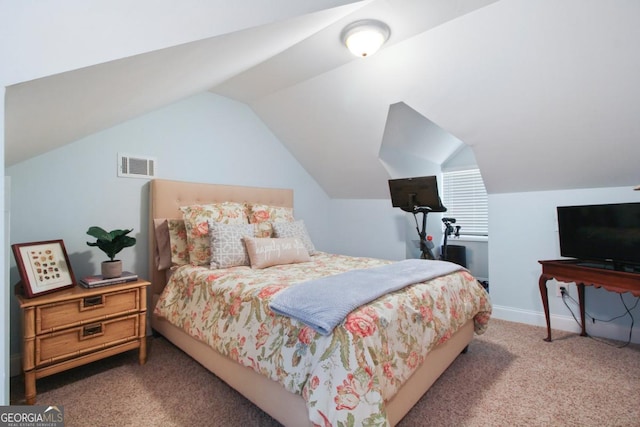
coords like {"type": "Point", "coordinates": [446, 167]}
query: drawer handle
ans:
{"type": "Point", "coordinates": [89, 330]}
{"type": "Point", "coordinates": [92, 301]}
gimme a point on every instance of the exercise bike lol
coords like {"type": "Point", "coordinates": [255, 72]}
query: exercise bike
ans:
{"type": "Point", "coordinates": [448, 231]}
{"type": "Point", "coordinates": [426, 242]}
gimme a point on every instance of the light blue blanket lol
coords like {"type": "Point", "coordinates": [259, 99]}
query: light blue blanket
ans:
{"type": "Point", "coordinates": [324, 303]}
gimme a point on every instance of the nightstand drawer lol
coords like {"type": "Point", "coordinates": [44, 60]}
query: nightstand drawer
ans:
{"type": "Point", "coordinates": [89, 309]}
{"type": "Point", "coordinates": [86, 338]}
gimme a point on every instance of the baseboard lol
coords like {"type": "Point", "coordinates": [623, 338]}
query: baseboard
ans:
{"type": "Point", "coordinates": [566, 323]}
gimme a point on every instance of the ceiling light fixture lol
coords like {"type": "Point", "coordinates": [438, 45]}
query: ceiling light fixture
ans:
{"type": "Point", "coordinates": [365, 37]}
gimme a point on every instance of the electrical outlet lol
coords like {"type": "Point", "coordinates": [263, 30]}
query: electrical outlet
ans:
{"type": "Point", "coordinates": [559, 287]}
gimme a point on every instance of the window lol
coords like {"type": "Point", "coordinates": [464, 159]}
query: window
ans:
{"type": "Point", "coordinates": [465, 198]}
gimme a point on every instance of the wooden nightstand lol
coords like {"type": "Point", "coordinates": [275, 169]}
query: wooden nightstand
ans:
{"type": "Point", "coordinates": [72, 327]}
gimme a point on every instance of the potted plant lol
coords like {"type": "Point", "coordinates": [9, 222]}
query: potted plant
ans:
{"type": "Point", "coordinates": [111, 242]}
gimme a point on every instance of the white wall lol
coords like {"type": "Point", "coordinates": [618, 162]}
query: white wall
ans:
{"type": "Point", "coordinates": [371, 228]}
{"type": "Point", "coordinates": [374, 228]}
{"type": "Point", "coordinates": [523, 230]}
{"type": "Point", "coordinates": [4, 274]}
{"type": "Point", "coordinates": [205, 138]}
{"type": "Point", "coordinates": [477, 254]}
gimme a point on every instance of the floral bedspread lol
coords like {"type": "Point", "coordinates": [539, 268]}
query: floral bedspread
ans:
{"type": "Point", "coordinates": [347, 376]}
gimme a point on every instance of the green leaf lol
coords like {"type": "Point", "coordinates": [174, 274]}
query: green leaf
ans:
{"type": "Point", "coordinates": [330, 348]}
{"type": "Point", "coordinates": [344, 347]}
{"type": "Point", "coordinates": [112, 242]}
{"type": "Point", "coordinates": [339, 338]}
{"type": "Point", "coordinates": [98, 233]}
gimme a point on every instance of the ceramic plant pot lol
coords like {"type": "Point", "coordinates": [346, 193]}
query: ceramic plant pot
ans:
{"type": "Point", "coordinates": [111, 269]}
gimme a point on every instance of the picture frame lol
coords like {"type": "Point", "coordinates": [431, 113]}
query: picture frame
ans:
{"type": "Point", "coordinates": [44, 267]}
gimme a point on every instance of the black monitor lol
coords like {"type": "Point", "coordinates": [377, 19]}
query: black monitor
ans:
{"type": "Point", "coordinates": [608, 234]}
{"type": "Point", "coordinates": [409, 194]}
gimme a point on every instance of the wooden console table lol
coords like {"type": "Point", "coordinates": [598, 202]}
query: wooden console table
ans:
{"type": "Point", "coordinates": [570, 271]}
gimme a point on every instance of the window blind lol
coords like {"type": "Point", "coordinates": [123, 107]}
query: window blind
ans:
{"type": "Point", "coordinates": [465, 198]}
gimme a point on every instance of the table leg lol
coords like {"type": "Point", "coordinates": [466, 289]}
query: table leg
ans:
{"type": "Point", "coordinates": [542, 283]}
{"type": "Point", "coordinates": [142, 332]}
{"type": "Point", "coordinates": [581, 301]}
{"type": "Point", "coordinates": [30, 387]}
{"type": "Point", "coordinates": [142, 355]}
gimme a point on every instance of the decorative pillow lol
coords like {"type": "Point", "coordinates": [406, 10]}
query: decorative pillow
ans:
{"type": "Point", "coordinates": [163, 247]}
{"type": "Point", "coordinates": [264, 215]}
{"type": "Point", "coordinates": [266, 252]}
{"type": "Point", "coordinates": [227, 248]}
{"type": "Point", "coordinates": [294, 229]}
{"type": "Point", "coordinates": [178, 242]}
{"type": "Point", "coordinates": [196, 221]}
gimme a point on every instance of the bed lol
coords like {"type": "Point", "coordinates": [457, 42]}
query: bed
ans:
{"type": "Point", "coordinates": [375, 391]}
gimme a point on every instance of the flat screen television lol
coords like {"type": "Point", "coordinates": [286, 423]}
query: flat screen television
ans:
{"type": "Point", "coordinates": [420, 192]}
{"type": "Point", "coordinates": [604, 236]}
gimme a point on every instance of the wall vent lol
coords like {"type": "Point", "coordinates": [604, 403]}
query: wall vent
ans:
{"type": "Point", "coordinates": [136, 166]}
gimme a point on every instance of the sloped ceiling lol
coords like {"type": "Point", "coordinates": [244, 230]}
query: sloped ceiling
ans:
{"type": "Point", "coordinates": [45, 113]}
{"type": "Point", "coordinates": [545, 93]}
{"type": "Point", "coordinates": [409, 131]}
{"type": "Point", "coordinates": [412, 145]}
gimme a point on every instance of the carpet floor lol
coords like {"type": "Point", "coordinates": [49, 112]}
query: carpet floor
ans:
{"type": "Point", "coordinates": [509, 377]}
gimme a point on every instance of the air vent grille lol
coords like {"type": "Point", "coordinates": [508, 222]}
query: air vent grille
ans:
{"type": "Point", "coordinates": [136, 166]}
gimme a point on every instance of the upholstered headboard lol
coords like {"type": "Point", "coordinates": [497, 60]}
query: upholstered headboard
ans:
{"type": "Point", "coordinates": [165, 197]}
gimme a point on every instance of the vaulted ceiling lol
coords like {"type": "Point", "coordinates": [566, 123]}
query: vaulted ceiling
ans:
{"type": "Point", "coordinates": [545, 93]}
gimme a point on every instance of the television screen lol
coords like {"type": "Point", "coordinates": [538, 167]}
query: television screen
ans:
{"type": "Point", "coordinates": [606, 233]}
{"type": "Point", "coordinates": [420, 192]}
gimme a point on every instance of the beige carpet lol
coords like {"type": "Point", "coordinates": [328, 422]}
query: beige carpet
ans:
{"type": "Point", "coordinates": [509, 377]}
